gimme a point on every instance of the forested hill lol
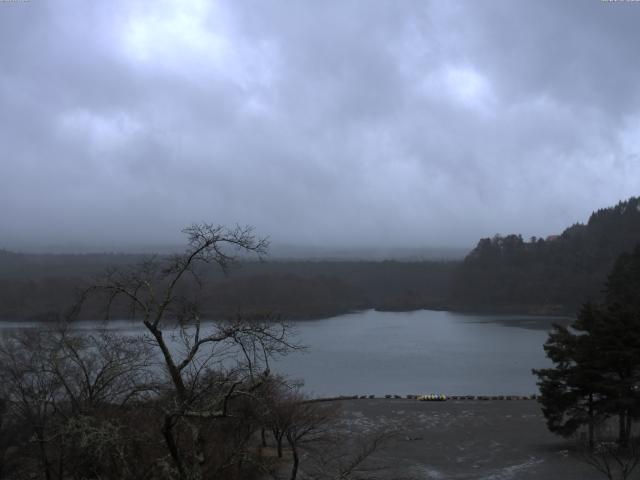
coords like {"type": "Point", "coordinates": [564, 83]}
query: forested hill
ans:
{"type": "Point", "coordinates": [44, 286]}
{"type": "Point", "coordinates": [553, 275]}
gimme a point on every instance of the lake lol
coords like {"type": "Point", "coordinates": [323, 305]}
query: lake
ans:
{"type": "Point", "coordinates": [415, 352]}
{"type": "Point", "coordinates": [420, 352]}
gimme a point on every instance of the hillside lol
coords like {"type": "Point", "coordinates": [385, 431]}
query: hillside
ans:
{"type": "Point", "coordinates": [501, 274]}
{"type": "Point", "coordinates": [507, 273]}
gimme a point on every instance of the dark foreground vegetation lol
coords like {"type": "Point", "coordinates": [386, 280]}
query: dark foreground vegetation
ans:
{"type": "Point", "coordinates": [186, 400]}
{"type": "Point", "coordinates": [596, 373]}
{"type": "Point", "coordinates": [101, 406]}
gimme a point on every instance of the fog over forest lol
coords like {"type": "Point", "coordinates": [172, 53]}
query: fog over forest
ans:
{"type": "Point", "coordinates": [323, 124]}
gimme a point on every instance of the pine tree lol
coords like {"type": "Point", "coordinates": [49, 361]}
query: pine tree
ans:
{"type": "Point", "coordinates": [568, 392]}
{"type": "Point", "coordinates": [596, 373]}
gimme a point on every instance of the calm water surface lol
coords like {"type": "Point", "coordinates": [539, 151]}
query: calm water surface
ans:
{"type": "Point", "coordinates": [412, 352]}
{"type": "Point", "coordinates": [420, 352]}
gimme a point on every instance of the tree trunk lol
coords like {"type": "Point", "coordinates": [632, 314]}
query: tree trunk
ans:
{"type": "Point", "coordinates": [277, 435]}
{"type": "Point", "coordinates": [60, 463]}
{"type": "Point", "coordinates": [167, 432]}
{"type": "Point", "coordinates": [43, 454]}
{"type": "Point", "coordinates": [174, 372]}
{"type": "Point", "coordinates": [591, 423]}
{"type": "Point", "coordinates": [263, 437]}
{"type": "Point", "coordinates": [296, 459]}
{"type": "Point", "coordinates": [623, 434]}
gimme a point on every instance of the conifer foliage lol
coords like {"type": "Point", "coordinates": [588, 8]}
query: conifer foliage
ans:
{"type": "Point", "coordinates": [596, 372]}
{"type": "Point", "coordinates": [552, 275]}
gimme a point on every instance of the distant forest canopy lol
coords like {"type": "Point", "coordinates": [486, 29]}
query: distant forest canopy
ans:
{"type": "Point", "coordinates": [44, 286]}
{"type": "Point", "coordinates": [555, 275]}
{"type": "Point", "coordinates": [502, 274]}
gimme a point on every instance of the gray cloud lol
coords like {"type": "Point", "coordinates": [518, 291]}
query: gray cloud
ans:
{"type": "Point", "coordinates": [343, 123]}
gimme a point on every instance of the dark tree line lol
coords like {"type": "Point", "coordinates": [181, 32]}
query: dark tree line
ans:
{"type": "Point", "coordinates": [42, 286]}
{"type": "Point", "coordinates": [507, 273]}
{"type": "Point", "coordinates": [547, 275]}
{"type": "Point", "coordinates": [596, 369]}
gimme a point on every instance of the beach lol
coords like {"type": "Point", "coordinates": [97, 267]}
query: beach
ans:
{"type": "Point", "coordinates": [465, 439]}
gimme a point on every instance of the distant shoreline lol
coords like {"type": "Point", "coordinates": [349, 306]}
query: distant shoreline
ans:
{"type": "Point", "coordinates": [534, 312]}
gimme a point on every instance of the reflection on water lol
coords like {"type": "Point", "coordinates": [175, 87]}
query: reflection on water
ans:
{"type": "Point", "coordinates": [408, 352]}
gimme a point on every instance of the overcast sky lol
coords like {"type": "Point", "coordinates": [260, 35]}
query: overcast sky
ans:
{"type": "Point", "coordinates": [404, 123]}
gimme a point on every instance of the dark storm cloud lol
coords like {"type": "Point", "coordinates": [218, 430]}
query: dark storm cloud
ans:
{"type": "Point", "coordinates": [373, 123]}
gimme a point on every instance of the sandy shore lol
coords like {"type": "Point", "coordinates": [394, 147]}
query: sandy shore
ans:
{"type": "Point", "coordinates": [466, 439]}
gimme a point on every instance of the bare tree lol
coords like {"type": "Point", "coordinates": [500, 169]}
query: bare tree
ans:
{"type": "Point", "coordinates": [291, 416]}
{"type": "Point", "coordinates": [314, 431]}
{"type": "Point", "coordinates": [346, 455]}
{"type": "Point", "coordinates": [99, 368]}
{"type": "Point", "coordinates": [185, 399]}
{"type": "Point", "coordinates": [208, 364]}
{"type": "Point", "coordinates": [306, 421]}
{"type": "Point", "coordinates": [273, 411]}
{"type": "Point", "coordinates": [4, 434]}
{"type": "Point", "coordinates": [30, 390]}
{"type": "Point", "coordinates": [55, 381]}
{"type": "Point", "coordinates": [612, 460]}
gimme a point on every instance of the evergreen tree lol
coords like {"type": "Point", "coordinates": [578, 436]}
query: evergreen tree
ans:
{"type": "Point", "coordinates": [553, 275]}
{"type": "Point", "coordinates": [596, 372]}
{"type": "Point", "coordinates": [568, 392]}
{"type": "Point", "coordinates": [620, 339]}
{"type": "Point", "coordinates": [623, 285]}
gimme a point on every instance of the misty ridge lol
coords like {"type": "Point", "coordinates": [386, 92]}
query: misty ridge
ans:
{"type": "Point", "coordinates": [501, 274]}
